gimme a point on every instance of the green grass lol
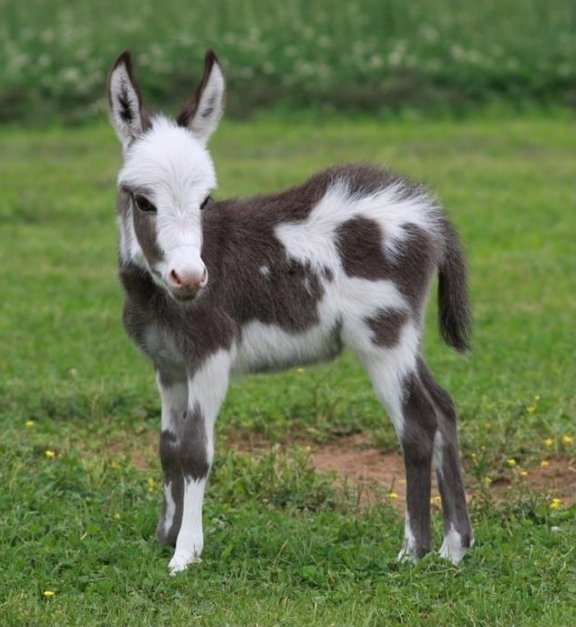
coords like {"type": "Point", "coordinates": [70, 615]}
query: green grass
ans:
{"type": "Point", "coordinates": [366, 54]}
{"type": "Point", "coordinates": [282, 545]}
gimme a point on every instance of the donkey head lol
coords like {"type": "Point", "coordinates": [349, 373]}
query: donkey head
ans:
{"type": "Point", "coordinates": [166, 178]}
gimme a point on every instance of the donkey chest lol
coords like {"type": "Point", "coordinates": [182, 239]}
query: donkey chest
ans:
{"type": "Point", "coordinates": [162, 347]}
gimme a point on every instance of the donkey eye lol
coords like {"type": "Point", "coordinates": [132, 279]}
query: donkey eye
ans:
{"type": "Point", "coordinates": [144, 204]}
{"type": "Point", "coordinates": [205, 202]}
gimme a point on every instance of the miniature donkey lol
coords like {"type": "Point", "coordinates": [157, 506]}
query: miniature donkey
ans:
{"type": "Point", "coordinates": [216, 288]}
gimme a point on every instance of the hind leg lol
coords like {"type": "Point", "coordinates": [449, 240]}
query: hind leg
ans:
{"type": "Point", "coordinates": [458, 535]}
{"type": "Point", "coordinates": [398, 386]}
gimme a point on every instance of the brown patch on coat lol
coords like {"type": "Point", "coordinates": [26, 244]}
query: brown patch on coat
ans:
{"type": "Point", "coordinates": [361, 245]}
{"type": "Point", "coordinates": [387, 326]}
{"type": "Point", "coordinates": [193, 443]}
{"type": "Point", "coordinates": [169, 448]}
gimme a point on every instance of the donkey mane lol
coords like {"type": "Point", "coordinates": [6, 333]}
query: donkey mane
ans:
{"type": "Point", "coordinates": [215, 288]}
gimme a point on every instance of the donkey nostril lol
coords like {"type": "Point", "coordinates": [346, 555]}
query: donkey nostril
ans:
{"type": "Point", "coordinates": [175, 278]}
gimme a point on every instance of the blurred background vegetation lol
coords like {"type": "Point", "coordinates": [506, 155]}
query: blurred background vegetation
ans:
{"type": "Point", "coordinates": [371, 55]}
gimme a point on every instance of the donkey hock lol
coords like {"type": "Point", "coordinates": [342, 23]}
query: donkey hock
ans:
{"type": "Point", "coordinates": [346, 259]}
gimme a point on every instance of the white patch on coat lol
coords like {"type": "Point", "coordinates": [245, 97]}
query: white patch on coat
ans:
{"type": "Point", "coordinates": [388, 368]}
{"type": "Point", "coordinates": [208, 388]}
{"type": "Point", "coordinates": [265, 271]}
{"type": "Point", "coordinates": [314, 240]}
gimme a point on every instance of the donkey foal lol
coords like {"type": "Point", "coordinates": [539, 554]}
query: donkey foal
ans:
{"type": "Point", "coordinates": [219, 288]}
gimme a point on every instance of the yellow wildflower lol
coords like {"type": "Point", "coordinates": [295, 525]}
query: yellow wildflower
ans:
{"type": "Point", "coordinates": [29, 424]}
{"type": "Point", "coordinates": [567, 439]}
{"type": "Point", "coordinates": [392, 495]}
{"type": "Point", "coordinates": [511, 462]}
{"type": "Point", "coordinates": [555, 503]}
{"type": "Point", "coordinates": [152, 483]}
{"type": "Point", "coordinates": [548, 442]}
{"type": "Point", "coordinates": [300, 370]}
{"type": "Point", "coordinates": [544, 463]}
{"type": "Point", "coordinates": [48, 593]}
{"type": "Point", "coordinates": [435, 500]}
{"type": "Point", "coordinates": [523, 473]}
{"type": "Point", "coordinates": [50, 454]}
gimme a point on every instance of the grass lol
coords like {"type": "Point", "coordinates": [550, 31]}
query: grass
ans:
{"type": "Point", "coordinates": [366, 54]}
{"type": "Point", "coordinates": [282, 545]}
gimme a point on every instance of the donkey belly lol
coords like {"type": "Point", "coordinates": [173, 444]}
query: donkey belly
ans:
{"type": "Point", "coordinates": [269, 348]}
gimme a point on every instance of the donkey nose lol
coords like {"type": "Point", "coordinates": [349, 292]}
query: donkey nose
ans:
{"type": "Point", "coordinates": [188, 280]}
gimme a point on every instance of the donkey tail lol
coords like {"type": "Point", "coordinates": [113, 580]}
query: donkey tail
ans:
{"type": "Point", "coordinates": [454, 315]}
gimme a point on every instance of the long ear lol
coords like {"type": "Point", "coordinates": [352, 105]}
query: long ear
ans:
{"type": "Point", "coordinates": [203, 111]}
{"type": "Point", "coordinates": [125, 104]}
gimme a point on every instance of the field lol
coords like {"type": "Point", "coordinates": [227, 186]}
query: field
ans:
{"type": "Point", "coordinates": [285, 544]}
{"type": "Point", "coordinates": [364, 55]}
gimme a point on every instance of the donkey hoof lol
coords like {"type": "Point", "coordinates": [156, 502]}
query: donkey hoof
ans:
{"type": "Point", "coordinates": [454, 547]}
{"type": "Point", "coordinates": [180, 562]}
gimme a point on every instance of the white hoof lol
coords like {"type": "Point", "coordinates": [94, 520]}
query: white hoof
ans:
{"type": "Point", "coordinates": [452, 548]}
{"type": "Point", "coordinates": [180, 562]}
{"type": "Point", "coordinates": [407, 555]}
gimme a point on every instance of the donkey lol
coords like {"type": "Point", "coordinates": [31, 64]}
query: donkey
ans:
{"type": "Point", "coordinates": [217, 288]}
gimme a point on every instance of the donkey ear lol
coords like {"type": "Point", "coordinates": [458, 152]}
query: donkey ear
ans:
{"type": "Point", "coordinates": [203, 111]}
{"type": "Point", "coordinates": [124, 101]}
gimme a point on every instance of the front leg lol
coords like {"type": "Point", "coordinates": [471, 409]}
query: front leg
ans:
{"type": "Point", "coordinates": [174, 394]}
{"type": "Point", "coordinates": [207, 388]}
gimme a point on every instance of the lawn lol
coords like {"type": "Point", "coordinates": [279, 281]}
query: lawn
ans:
{"type": "Point", "coordinates": [284, 544]}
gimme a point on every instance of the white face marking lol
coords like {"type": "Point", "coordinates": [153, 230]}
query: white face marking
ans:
{"type": "Point", "coordinates": [178, 174]}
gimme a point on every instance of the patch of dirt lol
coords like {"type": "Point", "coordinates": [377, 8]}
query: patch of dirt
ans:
{"type": "Point", "coordinates": [359, 464]}
{"type": "Point", "coordinates": [556, 480]}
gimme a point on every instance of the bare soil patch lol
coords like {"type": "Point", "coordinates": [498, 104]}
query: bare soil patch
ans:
{"type": "Point", "coordinates": [358, 463]}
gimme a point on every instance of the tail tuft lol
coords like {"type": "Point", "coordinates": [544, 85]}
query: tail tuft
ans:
{"type": "Point", "coordinates": [454, 314]}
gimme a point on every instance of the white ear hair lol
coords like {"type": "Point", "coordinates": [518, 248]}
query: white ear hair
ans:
{"type": "Point", "coordinates": [203, 111]}
{"type": "Point", "coordinates": [124, 101]}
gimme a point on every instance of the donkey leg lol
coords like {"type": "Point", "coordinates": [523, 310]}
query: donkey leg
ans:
{"type": "Point", "coordinates": [174, 395]}
{"type": "Point", "coordinates": [417, 439]}
{"type": "Point", "coordinates": [412, 413]}
{"type": "Point", "coordinates": [206, 391]}
{"type": "Point", "coordinates": [458, 535]}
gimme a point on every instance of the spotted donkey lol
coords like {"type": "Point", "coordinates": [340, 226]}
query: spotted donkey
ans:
{"type": "Point", "coordinates": [215, 288]}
